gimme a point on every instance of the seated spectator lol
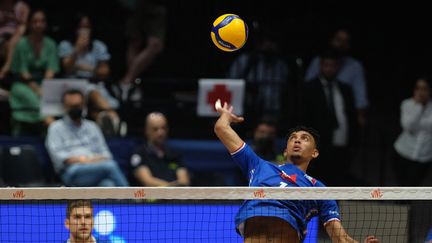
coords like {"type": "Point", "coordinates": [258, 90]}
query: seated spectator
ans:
{"type": "Point", "coordinates": [153, 163]}
{"type": "Point", "coordinates": [13, 19]}
{"type": "Point", "coordinates": [86, 57]}
{"type": "Point", "coordinates": [83, 56]}
{"type": "Point", "coordinates": [264, 140]}
{"type": "Point", "coordinates": [78, 149]}
{"type": "Point", "coordinates": [35, 58]}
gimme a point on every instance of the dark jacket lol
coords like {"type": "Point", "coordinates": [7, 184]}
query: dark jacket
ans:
{"type": "Point", "coordinates": [315, 112]}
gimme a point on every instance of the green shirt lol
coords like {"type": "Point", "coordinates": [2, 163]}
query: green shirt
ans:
{"type": "Point", "coordinates": [25, 60]}
{"type": "Point", "coordinates": [25, 103]}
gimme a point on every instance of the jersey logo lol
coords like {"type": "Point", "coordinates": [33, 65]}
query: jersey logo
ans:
{"type": "Point", "coordinates": [311, 179]}
{"type": "Point", "coordinates": [292, 178]}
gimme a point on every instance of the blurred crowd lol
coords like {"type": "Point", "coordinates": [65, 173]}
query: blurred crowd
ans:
{"type": "Point", "coordinates": [330, 95]}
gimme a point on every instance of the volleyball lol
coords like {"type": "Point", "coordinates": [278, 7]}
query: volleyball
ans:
{"type": "Point", "coordinates": [229, 32]}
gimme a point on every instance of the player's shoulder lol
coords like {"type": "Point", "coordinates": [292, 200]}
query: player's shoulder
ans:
{"type": "Point", "coordinates": [314, 181]}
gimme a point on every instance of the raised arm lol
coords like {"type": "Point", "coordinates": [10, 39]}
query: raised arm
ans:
{"type": "Point", "coordinates": [337, 234]}
{"type": "Point", "coordinates": [223, 128]}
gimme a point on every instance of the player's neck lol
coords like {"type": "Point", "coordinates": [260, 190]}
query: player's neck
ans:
{"type": "Point", "coordinates": [301, 164]}
{"type": "Point", "coordinates": [89, 240]}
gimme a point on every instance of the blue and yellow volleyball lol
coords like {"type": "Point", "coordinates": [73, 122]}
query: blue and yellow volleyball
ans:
{"type": "Point", "coordinates": [229, 32]}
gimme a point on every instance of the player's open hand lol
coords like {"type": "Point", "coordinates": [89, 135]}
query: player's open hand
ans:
{"type": "Point", "coordinates": [371, 239]}
{"type": "Point", "coordinates": [228, 110]}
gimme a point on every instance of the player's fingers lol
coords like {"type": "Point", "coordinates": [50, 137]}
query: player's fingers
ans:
{"type": "Point", "coordinates": [225, 106]}
{"type": "Point", "coordinates": [371, 239]}
{"type": "Point", "coordinates": [218, 105]}
{"type": "Point", "coordinates": [231, 108]}
{"type": "Point", "coordinates": [237, 119]}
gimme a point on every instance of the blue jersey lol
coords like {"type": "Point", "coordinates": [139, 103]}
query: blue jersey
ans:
{"type": "Point", "coordinates": [297, 213]}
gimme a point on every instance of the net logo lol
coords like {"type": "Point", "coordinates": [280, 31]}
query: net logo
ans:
{"type": "Point", "coordinates": [139, 193]}
{"type": "Point", "coordinates": [259, 194]}
{"type": "Point", "coordinates": [18, 194]}
{"type": "Point", "coordinates": [377, 193]}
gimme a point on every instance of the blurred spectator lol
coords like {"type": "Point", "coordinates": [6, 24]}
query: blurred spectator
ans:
{"type": "Point", "coordinates": [88, 58]}
{"type": "Point", "coordinates": [153, 163]}
{"type": "Point", "coordinates": [413, 147]}
{"type": "Point", "coordinates": [13, 19]}
{"type": "Point", "coordinates": [264, 140]}
{"type": "Point", "coordinates": [145, 32]}
{"type": "Point", "coordinates": [266, 74]}
{"type": "Point", "coordinates": [78, 149]}
{"type": "Point", "coordinates": [351, 72]}
{"type": "Point", "coordinates": [83, 56]}
{"type": "Point", "coordinates": [328, 106]}
{"type": "Point", "coordinates": [35, 58]}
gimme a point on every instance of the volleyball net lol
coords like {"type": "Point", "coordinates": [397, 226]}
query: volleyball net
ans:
{"type": "Point", "coordinates": [203, 214]}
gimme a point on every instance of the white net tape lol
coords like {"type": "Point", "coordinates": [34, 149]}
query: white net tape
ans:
{"type": "Point", "coordinates": [220, 193]}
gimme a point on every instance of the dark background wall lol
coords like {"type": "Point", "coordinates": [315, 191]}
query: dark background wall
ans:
{"type": "Point", "coordinates": [392, 41]}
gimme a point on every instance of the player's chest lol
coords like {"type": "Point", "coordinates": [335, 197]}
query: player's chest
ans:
{"type": "Point", "coordinates": [282, 178]}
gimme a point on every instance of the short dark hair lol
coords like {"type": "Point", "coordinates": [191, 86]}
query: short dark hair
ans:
{"type": "Point", "coordinates": [77, 204]}
{"type": "Point", "coordinates": [71, 92]}
{"type": "Point", "coordinates": [310, 130]}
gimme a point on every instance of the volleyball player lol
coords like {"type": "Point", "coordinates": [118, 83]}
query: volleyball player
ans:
{"type": "Point", "coordinates": [79, 221]}
{"type": "Point", "coordinates": [280, 220]}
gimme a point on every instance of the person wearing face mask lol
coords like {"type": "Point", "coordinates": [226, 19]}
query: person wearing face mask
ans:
{"type": "Point", "coordinates": [78, 149]}
{"type": "Point", "coordinates": [413, 147]}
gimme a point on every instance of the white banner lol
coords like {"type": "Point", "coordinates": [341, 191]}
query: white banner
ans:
{"type": "Point", "coordinates": [227, 90]}
{"type": "Point", "coordinates": [52, 91]}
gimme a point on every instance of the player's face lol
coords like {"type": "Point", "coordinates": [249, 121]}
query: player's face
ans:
{"type": "Point", "coordinates": [301, 144]}
{"type": "Point", "coordinates": [157, 129]}
{"type": "Point", "coordinates": [80, 223]}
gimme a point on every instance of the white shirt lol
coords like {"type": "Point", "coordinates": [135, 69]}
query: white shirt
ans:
{"type": "Point", "coordinates": [340, 134]}
{"type": "Point", "coordinates": [415, 141]}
